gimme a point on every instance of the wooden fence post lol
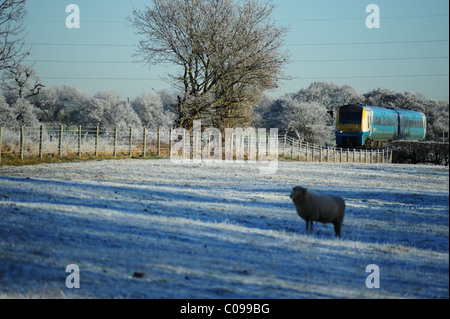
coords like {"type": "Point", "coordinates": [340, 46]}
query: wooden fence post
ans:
{"type": "Point", "coordinates": [299, 148]}
{"type": "Point", "coordinates": [41, 142]}
{"type": "Point", "coordinates": [313, 152]}
{"type": "Point", "coordinates": [144, 147]}
{"type": "Point", "coordinates": [61, 128]}
{"type": "Point", "coordinates": [22, 137]}
{"type": "Point", "coordinates": [0, 144]}
{"type": "Point", "coordinates": [131, 141]}
{"type": "Point", "coordinates": [79, 141]}
{"type": "Point", "coordinates": [96, 141]}
{"type": "Point", "coordinates": [307, 146]}
{"type": "Point", "coordinates": [115, 142]}
{"type": "Point", "coordinates": [159, 141]}
{"type": "Point", "coordinates": [292, 148]}
{"type": "Point", "coordinates": [170, 142]}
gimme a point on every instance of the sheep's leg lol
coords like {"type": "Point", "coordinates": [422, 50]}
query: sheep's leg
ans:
{"type": "Point", "coordinates": [337, 229]}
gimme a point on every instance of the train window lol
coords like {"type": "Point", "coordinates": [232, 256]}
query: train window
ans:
{"type": "Point", "coordinates": [348, 117]}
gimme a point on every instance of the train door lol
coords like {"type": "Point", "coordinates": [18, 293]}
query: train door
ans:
{"type": "Point", "coordinates": [369, 120]}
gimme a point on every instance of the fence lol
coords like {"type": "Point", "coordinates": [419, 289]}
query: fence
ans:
{"type": "Point", "coordinates": [65, 141]}
{"type": "Point", "coordinates": [309, 152]}
{"type": "Point", "coordinates": [76, 141]}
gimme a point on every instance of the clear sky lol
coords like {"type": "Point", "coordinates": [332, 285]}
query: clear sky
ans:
{"type": "Point", "coordinates": [328, 41]}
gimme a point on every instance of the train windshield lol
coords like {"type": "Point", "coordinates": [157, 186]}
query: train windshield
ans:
{"type": "Point", "coordinates": [350, 115]}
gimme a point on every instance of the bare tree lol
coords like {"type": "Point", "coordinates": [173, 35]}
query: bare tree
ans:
{"type": "Point", "coordinates": [228, 52]}
{"type": "Point", "coordinates": [12, 13]}
{"type": "Point", "coordinates": [22, 82]}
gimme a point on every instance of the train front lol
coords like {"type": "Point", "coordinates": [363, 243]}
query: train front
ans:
{"type": "Point", "coordinates": [350, 126]}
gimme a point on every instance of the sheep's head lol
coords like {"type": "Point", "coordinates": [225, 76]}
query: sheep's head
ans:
{"type": "Point", "coordinates": [298, 193]}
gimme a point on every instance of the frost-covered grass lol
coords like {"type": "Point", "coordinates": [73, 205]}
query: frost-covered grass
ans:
{"type": "Point", "coordinates": [220, 231]}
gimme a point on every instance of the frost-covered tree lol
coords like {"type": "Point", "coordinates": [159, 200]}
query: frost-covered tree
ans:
{"type": "Point", "coordinates": [70, 106]}
{"type": "Point", "coordinates": [329, 95]}
{"type": "Point", "coordinates": [168, 99]}
{"type": "Point", "coordinates": [7, 114]}
{"type": "Point", "coordinates": [270, 113]}
{"type": "Point", "coordinates": [227, 53]}
{"type": "Point", "coordinates": [309, 121]}
{"type": "Point", "coordinates": [262, 113]}
{"type": "Point", "coordinates": [22, 82]}
{"type": "Point", "coordinates": [47, 102]}
{"type": "Point", "coordinates": [123, 116]}
{"type": "Point", "coordinates": [25, 113]}
{"type": "Point", "coordinates": [12, 14]}
{"type": "Point", "coordinates": [97, 112]}
{"type": "Point", "coordinates": [110, 96]}
{"type": "Point", "coordinates": [150, 110]}
{"type": "Point", "coordinates": [437, 113]}
{"type": "Point", "coordinates": [384, 98]}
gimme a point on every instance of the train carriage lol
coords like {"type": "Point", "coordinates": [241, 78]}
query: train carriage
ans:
{"type": "Point", "coordinates": [372, 126]}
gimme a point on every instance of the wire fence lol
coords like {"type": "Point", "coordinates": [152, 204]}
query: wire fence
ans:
{"type": "Point", "coordinates": [77, 141]}
{"type": "Point", "coordinates": [63, 141]}
{"type": "Point", "coordinates": [310, 152]}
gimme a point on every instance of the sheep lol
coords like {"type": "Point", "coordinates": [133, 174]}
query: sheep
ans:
{"type": "Point", "coordinates": [322, 208]}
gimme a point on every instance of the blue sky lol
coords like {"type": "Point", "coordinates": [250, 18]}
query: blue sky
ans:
{"type": "Point", "coordinates": [328, 41]}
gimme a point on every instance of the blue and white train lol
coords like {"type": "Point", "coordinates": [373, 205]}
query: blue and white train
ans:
{"type": "Point", "coordinates": [372, 126]}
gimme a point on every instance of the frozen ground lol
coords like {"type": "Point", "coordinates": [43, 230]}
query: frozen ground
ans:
{"type": "Point", "coordinates": [152, 229]}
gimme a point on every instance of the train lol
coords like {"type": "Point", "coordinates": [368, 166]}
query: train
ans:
{"type": "Point", "coordinates": [364, 126]}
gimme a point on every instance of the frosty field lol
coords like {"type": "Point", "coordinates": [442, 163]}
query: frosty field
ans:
{"type": "Point", "coordinates": [155, 229]}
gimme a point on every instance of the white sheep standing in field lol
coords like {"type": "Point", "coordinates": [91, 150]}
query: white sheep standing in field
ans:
{"type": "Point", "coordinates": [312, 206]}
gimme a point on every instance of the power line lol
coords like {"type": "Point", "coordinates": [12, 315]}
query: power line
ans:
{"type": "Point", "coordinates": [80, 44]}
{"type": "Point", "coordinates": [363, 18]}
{"type": "Point", "coordinates": [98, 78]}
{"type": "Point", "coordinates": [295, 61]}
{"type": "Point", "coordinates": [289, 44]}
{"type": "Point", "coordinates": [372, 59]}
{"type": "Point", "coordinates": [280, 20]}
{"type": "Point", "coordinates": [292, 78]}
{"type": "Point", "coordinates": [368, 43]}
{"type": "Point", "coordinates": [80, 61]}
{"type": "Point", "coordinates": [370, 76]}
